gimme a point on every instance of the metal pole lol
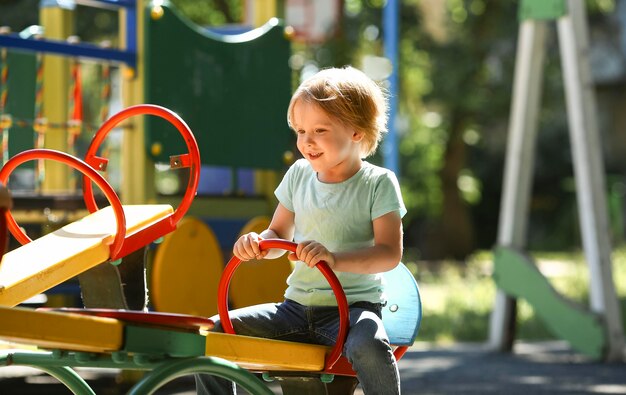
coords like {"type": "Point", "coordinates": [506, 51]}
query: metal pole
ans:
{"type": "Point", "coordinates": [589, 173]}
{"type": "Point", "coordinates": [518, 168]}
{"type": "Point", "coordinates": [391, 13]}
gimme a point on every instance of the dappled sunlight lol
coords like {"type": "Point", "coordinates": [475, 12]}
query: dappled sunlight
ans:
{"type": "Point", "coordinates": [458, 297]}
{"type": "Point", "coordinates": [607, 389]}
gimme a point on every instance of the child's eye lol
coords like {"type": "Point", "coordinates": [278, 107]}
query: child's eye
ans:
{"type": "Point", "coordinates": [320, 131]}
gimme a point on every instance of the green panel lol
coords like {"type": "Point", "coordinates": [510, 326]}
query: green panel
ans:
{"type": "Point", "coordinates": [151, 341]}
{"type": "Point", "coordinates": [517, 275]}
{"type": "Point", "coordinates": [541, 9]}
{"type": "Point", "coordinates": [21, 101]}
{"type": "Point", "coordinates": [233, 91]}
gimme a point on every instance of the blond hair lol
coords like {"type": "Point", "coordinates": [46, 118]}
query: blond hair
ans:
{"type": "Point", "coordinates": [350, 97]}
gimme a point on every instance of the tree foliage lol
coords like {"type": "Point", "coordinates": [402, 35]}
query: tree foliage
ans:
{"type": "Point", "coordinates": [456, 65]}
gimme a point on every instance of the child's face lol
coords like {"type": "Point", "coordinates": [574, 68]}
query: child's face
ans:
{"type": "Point", "coordinates": [332, 148]}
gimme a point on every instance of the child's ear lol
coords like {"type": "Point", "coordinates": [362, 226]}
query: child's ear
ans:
{"type": "Point", "coordinates": [357, 136]}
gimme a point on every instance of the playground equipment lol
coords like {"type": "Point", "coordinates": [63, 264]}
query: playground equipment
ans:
{"type": "Point", "coordinates": [156, 341]}
{"type": "Point", "coordinates": [401, 318]}
{"type": "Point", "coordinates": [94, 239]}
{"type": "Point", "coordinates": [195, 244]}
{"type": "Point", "coordinates": [168, 345]}
{"type": "Point", "coordinates": [238, 87]}
{"type": "Point", "coordinates": [235, 88]}
{"type": "Point", "coordinates": [220, 92]}
{"type": "Point", "coordinates": [171, 345]}
{"type": "Point", "coordinates": [102, 237]}
{"type": "Point", "coordinates": [44, 94]}
{"type": "Point", "coordinates": [185, 270]}
{"type": "Point", "coordinates": [598, 332]}
{"type": "Point", "coordinates": [234, 85]}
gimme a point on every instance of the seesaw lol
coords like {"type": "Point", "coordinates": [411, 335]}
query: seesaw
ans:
{"type": "Point", "coordinates": [167, 345]}
{"type": "Point", "coordinates": [173, 345]}
{"type": "Point", "coordinates": [105, 235]}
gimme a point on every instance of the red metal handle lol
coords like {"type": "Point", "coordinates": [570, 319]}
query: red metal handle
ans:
{"type": "Point", "coordinates": [5, 205]}
{"type": "Point", "coordinates": [89, 173]}
{"type": "Point", "coordinates": [4, 231]}
{"type": "Point", "coordinates": [191, 160]}
{"type": "Point", "coordinates": [342, 302]}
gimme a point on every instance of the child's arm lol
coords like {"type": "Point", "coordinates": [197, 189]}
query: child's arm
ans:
{"type": "Point", "coordinates": [282, 227]}
{"type": "Point", "coordinates": [383, 256]}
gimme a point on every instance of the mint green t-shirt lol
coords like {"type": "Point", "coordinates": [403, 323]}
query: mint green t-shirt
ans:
{"type": "Point", "coordinates": [340, 217]}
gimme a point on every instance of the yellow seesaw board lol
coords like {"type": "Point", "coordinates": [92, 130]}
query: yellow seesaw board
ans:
{"type": "Point", "coordinates": [61, 330]}
{"type": "Point", "coordinates": [56, 257]}
{"type": "Point", "coordinates": [261, 354]}
{"type": "Point", "coordinates": [95, 332]}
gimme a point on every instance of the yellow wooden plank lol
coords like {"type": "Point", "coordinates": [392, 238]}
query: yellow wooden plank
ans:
{"type": "Point", "coordinates": [67, 252]}
{"type": "Point", "coordinates": [54, 330]}
{"type": "Point", "coordinates": [265, 354]}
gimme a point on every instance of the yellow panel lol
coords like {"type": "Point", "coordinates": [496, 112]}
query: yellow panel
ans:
{"type": "Point", "coordinates": [61, 330]}
{"type": "Point", "coordinates": [186, 270]}
{"type": "Point", "coordinates": [257, 282]}
{"type": "Point", "coordinates": [58, 23]}
{"type": "Point", "coordinates": [67, 252]}
{"type": "Point", "coordinates": [265, 354]}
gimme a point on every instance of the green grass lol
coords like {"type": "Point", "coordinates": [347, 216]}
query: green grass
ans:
{"type": "Point", "coordinates": [458, 297]}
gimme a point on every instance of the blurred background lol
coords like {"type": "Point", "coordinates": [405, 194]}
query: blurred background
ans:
{"type": "Point", "coordinates": [455, 67]}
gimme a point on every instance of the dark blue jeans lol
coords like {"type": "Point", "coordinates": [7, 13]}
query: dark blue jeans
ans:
{"type": "Point", "coordinates": [366, 347]}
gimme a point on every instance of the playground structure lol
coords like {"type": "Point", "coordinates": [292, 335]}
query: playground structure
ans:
{"type": "Point", "coordinates": [225, 75]}
{"type": "Point", "coordinates": [167, 345]}
{"type": "Point", "coordinates": [597, 331]}
{"type": "Point", "coordinates": [148, 27]}
{"type": "Point", "coordinates": [107, 248]}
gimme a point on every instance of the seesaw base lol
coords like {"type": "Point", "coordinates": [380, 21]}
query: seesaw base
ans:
{"type": "Point", "coordinates": [161, 369]}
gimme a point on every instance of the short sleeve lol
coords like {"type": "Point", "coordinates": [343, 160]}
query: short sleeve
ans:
{"type": "Point", "coordinates": [284, 191]}
{"type": "Point", "coordinates": [387, 196]}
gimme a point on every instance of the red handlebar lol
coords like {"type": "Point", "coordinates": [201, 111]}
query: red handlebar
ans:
{"type": "Point", "coordinates": [342, 302]}
{"type": "Point", "coordinates": [192, 159]}
{"type": "Point", "coordinates": [89, 173]}
{"type": "Point", "coordinates": [93, 163]}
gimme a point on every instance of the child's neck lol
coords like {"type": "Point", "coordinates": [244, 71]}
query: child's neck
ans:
{"type": "Point", "coordinates": [340, 173]}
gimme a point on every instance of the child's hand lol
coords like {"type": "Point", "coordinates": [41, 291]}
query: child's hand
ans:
{"type": "Point", "coordinates": [247, 247]}
{"type": "Point", "coordinates": [311, 252]}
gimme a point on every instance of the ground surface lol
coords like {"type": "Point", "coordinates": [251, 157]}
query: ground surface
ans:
{"type": "Point", "coordinates": [534, 368]}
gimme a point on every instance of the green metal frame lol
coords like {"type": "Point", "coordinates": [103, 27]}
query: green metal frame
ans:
{"type": "Point", "coordinates": [163, 369]}
{"type": "Point", "coordinates": [542, 9]}
{"type": "Point", "coordinates": [166, 354]}
{"type": "Point", "coordinates": [517, 275]}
